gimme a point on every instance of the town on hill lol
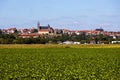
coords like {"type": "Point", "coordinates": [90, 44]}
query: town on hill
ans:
{"type": "Point", "coordinates": [47, 34]}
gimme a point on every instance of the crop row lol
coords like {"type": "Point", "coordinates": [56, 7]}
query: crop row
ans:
{"type": "Point", "coordinates": [60, 64]}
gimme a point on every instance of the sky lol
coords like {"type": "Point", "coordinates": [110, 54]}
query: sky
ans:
{"type": "Point", "coordinates": [67, 14]}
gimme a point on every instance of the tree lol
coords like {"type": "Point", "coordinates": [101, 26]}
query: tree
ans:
{"type": "Point", "coordinates": [0, 31]}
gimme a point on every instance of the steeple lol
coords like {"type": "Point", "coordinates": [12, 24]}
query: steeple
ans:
{"type": "Point", "coordinates": [38, 25]}
{"type": "Point", "coordinates": [48, 25]}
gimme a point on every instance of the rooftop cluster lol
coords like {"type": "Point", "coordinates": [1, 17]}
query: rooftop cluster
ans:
{"type": "Point", "coordinates": [61, 35]}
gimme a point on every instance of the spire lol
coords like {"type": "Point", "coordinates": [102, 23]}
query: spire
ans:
{"type": "Point", "coordinates": [38, 24]}
{"type": "Point", "coordinates": [48, 25]}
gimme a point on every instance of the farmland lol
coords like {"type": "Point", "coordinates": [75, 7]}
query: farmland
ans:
{"type": "Point", "coordinates": [59, 62]}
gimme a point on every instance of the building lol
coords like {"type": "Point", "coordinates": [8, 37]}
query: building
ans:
{"type": "Point", "coordinates": [44, 29]}
{"type": "Point", "coordinates": [32, 35]}
{"type": "Point", "coordinates": [9, 31]}
{"type": "Point", "coordinates": [68, 42]}
{"type": "Point", "coordinates": [12, 30]}
{"type": "Point", "coordinates": [58, 31]}
{"type": "Point", "coordinates": [100, 31]}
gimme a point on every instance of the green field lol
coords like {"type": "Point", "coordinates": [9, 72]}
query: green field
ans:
{"type": "Point", "coordinates": [60, 62]}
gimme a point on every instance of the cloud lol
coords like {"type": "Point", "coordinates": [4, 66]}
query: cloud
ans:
{"type": "Point", "coordinates": [76, 22]}
{"type": "Point", "coordinates": [111, 15]}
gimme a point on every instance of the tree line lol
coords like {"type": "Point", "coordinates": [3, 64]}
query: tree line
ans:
{"type": "Point", "coordinates": [96, 39]}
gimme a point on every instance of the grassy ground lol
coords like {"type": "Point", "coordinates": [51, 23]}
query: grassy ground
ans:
{"type": "Point", "coordinates": [70, 62]}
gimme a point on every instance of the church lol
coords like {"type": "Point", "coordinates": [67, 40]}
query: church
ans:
{"type": "Point", "coordinates": [44, 29]}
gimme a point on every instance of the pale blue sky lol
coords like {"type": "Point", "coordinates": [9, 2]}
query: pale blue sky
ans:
{"type": "Point", "coordinates": [69, 14]}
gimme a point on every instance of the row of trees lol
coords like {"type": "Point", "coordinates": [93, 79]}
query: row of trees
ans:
{"type": "Point", "coordinates": [14, 39]}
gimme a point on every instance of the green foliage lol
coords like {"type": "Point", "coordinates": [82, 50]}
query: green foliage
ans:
{"type": "Point", "coordinates": [0, 31]}
{"type": "Point", "coordinates": [60, 63]}
{"type": "Point", "coordinates": [43, 39]}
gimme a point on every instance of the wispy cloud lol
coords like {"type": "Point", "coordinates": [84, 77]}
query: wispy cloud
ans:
{"type": "Point", "coordinates": [111, 15]}
{"type": "Point", "coordinates": [75, 22]}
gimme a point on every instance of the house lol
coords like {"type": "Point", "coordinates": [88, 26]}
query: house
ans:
{"type": "Point", "coordinates": [32, 35]}
{"type": "Point", "coordinates": [68, 42]}
{"type": "Point", "coordinates": [4, 31]}
{"type": "Point", "coordinates": [77, 32]}
{"type": "Point", "coordinates": [58, 31]}
{"type": "Point", "coordinates": [44, 29]}
{"type": "Point", "coordinates": [65, 31]}
{"type": "Point", "coordinates": [76, 42]}
{"type": "Point", "coordinates": [114, 42]}
{"type": "Point", "coordinates": [12, 30]}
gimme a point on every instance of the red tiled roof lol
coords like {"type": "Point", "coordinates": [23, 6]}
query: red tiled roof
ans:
{"type": "Point", "coordinates": [85, 31]}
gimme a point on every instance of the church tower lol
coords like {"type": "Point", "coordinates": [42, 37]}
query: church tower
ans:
{"type": "Point", "coordinates": [38, 26]}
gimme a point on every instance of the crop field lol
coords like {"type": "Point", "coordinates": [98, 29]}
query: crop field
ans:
{"type": "Point", "coordinates": [59, 62]}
